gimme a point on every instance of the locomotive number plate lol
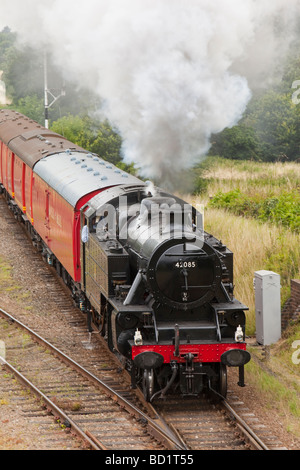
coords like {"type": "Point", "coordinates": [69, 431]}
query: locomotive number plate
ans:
{"type": "Point", "coordinates": [185, 264]}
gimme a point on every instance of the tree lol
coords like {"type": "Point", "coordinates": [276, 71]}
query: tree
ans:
{"type": "Point", "coordinates": [274, 119]}
{"type": "Point", "coordinates": [270, 127]}
{"type": "Point", "coordinates": [238, 143]}
{"type": "Point", "coordinates": [23, 73]}
{"type": "Point", "coordinates": [33, 107]}
{"type": "Point", "coordinates": [93, 135]}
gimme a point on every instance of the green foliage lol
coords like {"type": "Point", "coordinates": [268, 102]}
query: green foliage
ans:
{"type": "Point", "coordinates": [73, 128]}
{"type": "Point", "coordinates": [284, 261]}
{"type": "Point", "coordinates": [282, 210]}
{"type": "Point", "coordinates": [238, 142]}
{"type": "Point", "coordinates": [235, 201]}
{"type": "Point", "coordinates": [7, 40]}
{"type": "Point", "coordinates": [275, 119]}
{"type": "Point", "coordinates": [96, 136]}
{"type": "Point", "coordinates": [23, 71]}
{"type": "Point", "coordinates": [33, 107]}
{"type": "Point", "coordinates": [200, 185]}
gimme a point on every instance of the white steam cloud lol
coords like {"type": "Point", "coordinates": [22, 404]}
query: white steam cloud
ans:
{"type": "Point", "coordinates": [170, 73]}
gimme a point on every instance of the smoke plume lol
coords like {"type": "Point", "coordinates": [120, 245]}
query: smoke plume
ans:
{"type": "Point", "coordinates": [170, 73]}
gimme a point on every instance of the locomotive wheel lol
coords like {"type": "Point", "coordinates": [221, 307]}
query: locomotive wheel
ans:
{"type": "Point", "coordinates": [222, 385]}
{"type": "Point", "coordinates": [219, 383]}
{"type": "Point", "coordinates": [148, 383]}
{"type": "Point", "coordinates": [98, 320]}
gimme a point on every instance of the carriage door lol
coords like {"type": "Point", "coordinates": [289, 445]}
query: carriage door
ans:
{"type": "Point", "coordinates": [47, 216]}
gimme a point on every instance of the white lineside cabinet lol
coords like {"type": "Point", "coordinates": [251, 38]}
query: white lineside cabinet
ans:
{"type": "Point", "coordinates": [267, 307]}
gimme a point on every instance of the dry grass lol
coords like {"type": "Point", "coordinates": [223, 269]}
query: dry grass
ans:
{"type": "Point", "coordinates": [253, 178]}
{"type": "Point", "coordinates": [245, 170]}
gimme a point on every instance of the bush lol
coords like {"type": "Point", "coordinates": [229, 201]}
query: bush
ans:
{"type": "Point", "coordinates": [282, 210]}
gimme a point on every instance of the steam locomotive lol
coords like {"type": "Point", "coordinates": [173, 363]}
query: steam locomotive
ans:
{"type": "Point", "coordinates": [136, 258]}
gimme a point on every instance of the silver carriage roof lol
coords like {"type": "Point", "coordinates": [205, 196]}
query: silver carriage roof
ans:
{"type": "Point", "coordinates": [75, 174]}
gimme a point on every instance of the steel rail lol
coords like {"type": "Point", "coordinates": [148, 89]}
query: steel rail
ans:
{"type": "Point", "coordinates": [250, 435]}
{"type": "Point", "coordinates": [169, 438]}
{"type": "Point", "coordinates": [55, 410]}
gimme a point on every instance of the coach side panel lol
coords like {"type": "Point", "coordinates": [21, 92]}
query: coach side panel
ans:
{"type": "Point", "coordinates": [19, 183]}
{"type": "Point", "coordinates": [54, 220]}
{"type": "Point", "coordinates": [10, 161]}
{"type": "Point", "coordinates": [4, 157]}
{"type": "Point", "coordinates": [1, 170]}
{"type": "Point", "coordinates": [16, 177]}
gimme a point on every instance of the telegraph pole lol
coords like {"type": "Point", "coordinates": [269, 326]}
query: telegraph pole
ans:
{"type": "Point", "coordinates": [48, 92]}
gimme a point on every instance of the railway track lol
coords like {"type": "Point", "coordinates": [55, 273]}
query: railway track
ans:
{"type": "Point", "coordinates": [203, 425]}
{"type": "Point", "coordinates": [38, 430]}
{"type": "Point", "coordinates": [51, 312]}
{"type": "Point", "coordinates": [75, 397]}
{"type": "Point", "coordinates": [83, 403]}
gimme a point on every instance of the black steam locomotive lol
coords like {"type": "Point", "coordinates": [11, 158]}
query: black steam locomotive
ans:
{"type": "Point", "coordinates": [166, 305]}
